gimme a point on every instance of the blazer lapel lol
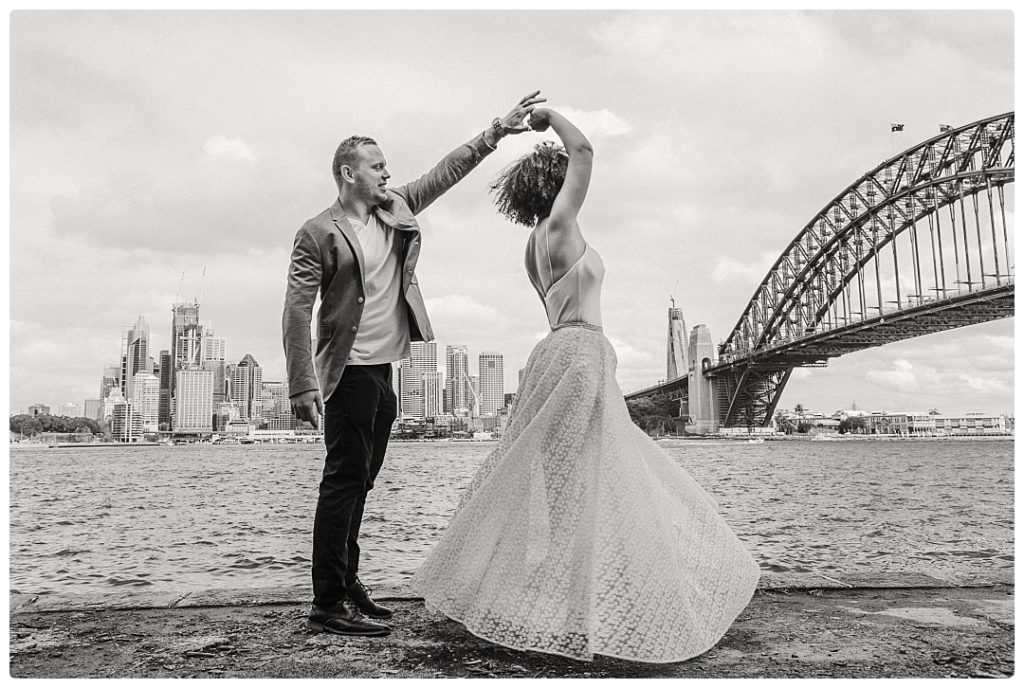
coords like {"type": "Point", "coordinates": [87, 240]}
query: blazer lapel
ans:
{"type": "Point", "coordinates": [342, 223]}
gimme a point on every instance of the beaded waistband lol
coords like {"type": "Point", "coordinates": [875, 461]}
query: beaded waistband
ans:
{"type": "Point", "coordinates": [577, 323]}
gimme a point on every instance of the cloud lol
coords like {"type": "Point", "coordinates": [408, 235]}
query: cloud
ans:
{"type": "Point", "coordinates": [902, 377]}
{"type": "Point", "coordinates": [730, 270]}
{"type": "Point", "coordinates": [457, 317]}
{"type": "Point", "coordinates": [222, 147]}
{"type": "Point", "coordinates": [988, 385]}
{"type": "Point", "coordinates": [632, 35]}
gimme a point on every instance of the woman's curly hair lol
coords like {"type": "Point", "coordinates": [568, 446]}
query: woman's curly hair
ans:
{"type": "Point", "coordinates": [525, 190]}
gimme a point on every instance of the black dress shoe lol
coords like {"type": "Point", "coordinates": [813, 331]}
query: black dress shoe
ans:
{"type": "Point", "coordinates": [343, 619]}
{"type": "Point", "coordinates": [360, 594]}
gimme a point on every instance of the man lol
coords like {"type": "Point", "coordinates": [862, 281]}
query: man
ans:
{"type": "Point", "coordinates": [360, 255]}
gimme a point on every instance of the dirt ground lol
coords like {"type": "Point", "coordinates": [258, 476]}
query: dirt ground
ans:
{"type": "Point", "coordinates": [862, 633]}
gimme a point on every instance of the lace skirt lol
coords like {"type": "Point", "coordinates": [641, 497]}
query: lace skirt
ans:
{"type": "Point", "coordinates": [579, 535]}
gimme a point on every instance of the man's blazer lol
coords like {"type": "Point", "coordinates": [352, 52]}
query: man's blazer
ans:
{"type": "Point", "coordinates": [326, 258]}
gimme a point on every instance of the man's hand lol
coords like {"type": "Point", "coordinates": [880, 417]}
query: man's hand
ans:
{"type": "Point", "coordinates": [308, 406]}
{"type": "Point", "coordinates": [512, 123]}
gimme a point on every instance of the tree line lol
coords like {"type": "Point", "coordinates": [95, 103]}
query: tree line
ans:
{"type": "Point", "coordinates": [27, 425]}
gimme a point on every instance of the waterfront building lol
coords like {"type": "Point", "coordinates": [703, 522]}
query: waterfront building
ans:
{"type": "Point", "coordinates": [920, 424]}
{"type": "Point", "coordinates": [458, 395]}
{"type": "Point", "coordinates": [433, 394]}
{"type": "Point", "coordinates": [677, 345]}
{"type": "Point", "coordinates": [134, 354]}
{"type": "Point", "coordinates": [224, 413]}
{"type": "Point", "coordinates": [145, 399]}
{"type": "Point", "coordinates": [247, 387]}
{"type": "Point", "coordinates": [93, 409]}
{"type": "Point", "coordinates": [125, 424]}
{"type": "Point", "coordinates": [38, 410]}
{"type": "Point", "coordinates": [193, 401]}
{"type": "Point", "coordinates": [491, 389]}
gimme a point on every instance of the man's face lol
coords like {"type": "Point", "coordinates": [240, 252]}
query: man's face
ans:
{"type": "Point", "coordinates": [370, 174]}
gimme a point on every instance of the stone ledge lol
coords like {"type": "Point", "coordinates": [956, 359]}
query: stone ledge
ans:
{"type": "Point", "coordinates": [21, 603]}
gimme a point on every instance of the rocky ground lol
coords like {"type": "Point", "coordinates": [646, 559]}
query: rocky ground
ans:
{"type": "Point", "coordinates": [787, 631]}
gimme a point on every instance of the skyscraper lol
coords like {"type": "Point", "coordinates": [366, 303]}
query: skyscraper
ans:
{"type": "Point", "coordinates": [134, 354]}
{"type": "Point", "coordinates": [111, 378]}
{"type": "Point", "coordinates": [492, 383]}
{"type": "Point", "coordinates": [193, 401]}
{"type": "Point", "coordinates": [212, 357]}
{"type": "Point", "coordinates": [186, 343]}
{"type": "Point", "coordinates": [146, 399]}
{"type": "Point", "coordinates": [677, 344]}
{"type": "Point", "coordinates": [163, 416]}
{"type": "Point", "coordinates": [247, 388]}
{"type": "Point", "coordinates": [433, 394]}
{"type": "Point", "coordinates": [422, 360]}
{"type": "Point", "coordinates": [458, 396]}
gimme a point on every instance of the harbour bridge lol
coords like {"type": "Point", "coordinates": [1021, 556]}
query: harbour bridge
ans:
{"type": "Point", "coordinates": [918, 245]}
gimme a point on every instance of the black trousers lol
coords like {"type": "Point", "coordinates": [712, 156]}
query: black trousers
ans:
{"type": "Point", "coordinates": [357, 424]}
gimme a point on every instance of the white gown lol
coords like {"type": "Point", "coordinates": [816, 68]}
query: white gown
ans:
{"type": "Point", "coordinates": [579, 535]}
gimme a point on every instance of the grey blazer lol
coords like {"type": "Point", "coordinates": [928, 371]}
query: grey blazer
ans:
{"type": "Point", "coordinates": [326, 257]}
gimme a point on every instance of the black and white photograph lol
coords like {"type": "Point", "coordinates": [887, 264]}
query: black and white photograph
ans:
{"type": "Point", "coordinates": [534, 342]}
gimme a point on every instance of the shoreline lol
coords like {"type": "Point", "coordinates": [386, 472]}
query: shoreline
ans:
{"type": "Point", "coordinates": [662, 438]}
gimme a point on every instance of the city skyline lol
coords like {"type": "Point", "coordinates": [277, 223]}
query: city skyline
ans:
{"type": "Point", "coordinates": [717, 136]}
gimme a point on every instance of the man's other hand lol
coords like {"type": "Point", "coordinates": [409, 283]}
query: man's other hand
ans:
{"type": "Point", "coordinates": [308, 406]}
{"type": "Point", "coordinates": [512, 123]}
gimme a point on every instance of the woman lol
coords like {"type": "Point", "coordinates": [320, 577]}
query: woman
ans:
{"type": "Point", "coordinates": [579, 535]}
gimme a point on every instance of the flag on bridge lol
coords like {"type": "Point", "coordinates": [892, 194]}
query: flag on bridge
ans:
{"type": "Point", "coordinates": [896, 127]}
{"type": "Point", "coordinates": [943, 128]}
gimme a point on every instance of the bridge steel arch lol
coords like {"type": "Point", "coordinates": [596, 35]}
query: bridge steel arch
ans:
{"type": "Point", "coordinates": [919, 244]}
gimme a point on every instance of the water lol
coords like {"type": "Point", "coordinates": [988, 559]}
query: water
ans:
{"type": "Point", "coordinates": [191, 517]}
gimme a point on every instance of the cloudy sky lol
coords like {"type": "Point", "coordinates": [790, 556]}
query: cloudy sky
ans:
{"type": "Point", "coordinates": [147, 147]}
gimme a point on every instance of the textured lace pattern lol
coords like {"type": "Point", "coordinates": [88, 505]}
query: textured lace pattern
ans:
{"type": "Point", "coordinates": [579, 535]}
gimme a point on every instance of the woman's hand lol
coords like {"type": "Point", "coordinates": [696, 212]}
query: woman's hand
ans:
{"type": "Point", "coordinates": [540, 119]}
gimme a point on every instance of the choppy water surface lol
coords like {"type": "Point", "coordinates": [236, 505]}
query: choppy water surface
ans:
{"type": "Point", "coordinates": [190, 517]}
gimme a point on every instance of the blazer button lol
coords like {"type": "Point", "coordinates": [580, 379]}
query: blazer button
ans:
{"type": "Point", "coordinates": [359, 300]}
{"type": "Point", "coordinates": [355, 328]}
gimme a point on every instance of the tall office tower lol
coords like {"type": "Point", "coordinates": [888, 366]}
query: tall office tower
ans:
{"type": "Point", "coordinates": [111, 379]}
{"type": "Point", "coordinates": [134, 354]}
{"type": "Point", "coordinates": [277, 409]}
{"type": "Point", "coordinates": [212, 357]}
{"type": "Point", "coordinates": [186, 343]}
{"type": "Point", "coordinates": [146, 399]}
{"type": "Point", "coordinates": [112, 399]}
{"type": "Point", "coordinates": [411, 400]}
{"type": "Point", "coordinates": [422, 360]}
{"type": "Point", "coordinates": [458, 396]}
{"type": "Point", "coordinates": [492, 383]}
{"type": "Point", "coordinates": [433, 394]}
{"type": "Point", "coordinates": [247, 387]}
{"type": "Point", "coordinates": [163, 415]}
{"type": "Point", "coordinates": [93, 409]}
{"type": "Point", "coordinates": [193, 401]}
{"type": "Point", "coordinates": [677, 344]}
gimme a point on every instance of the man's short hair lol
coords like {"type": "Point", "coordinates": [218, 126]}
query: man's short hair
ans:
{"type": "Point", "coordinates": [346, 154]}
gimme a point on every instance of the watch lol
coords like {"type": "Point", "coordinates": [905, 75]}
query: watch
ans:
{"type": "Point", "coordinates": [498, 128]}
